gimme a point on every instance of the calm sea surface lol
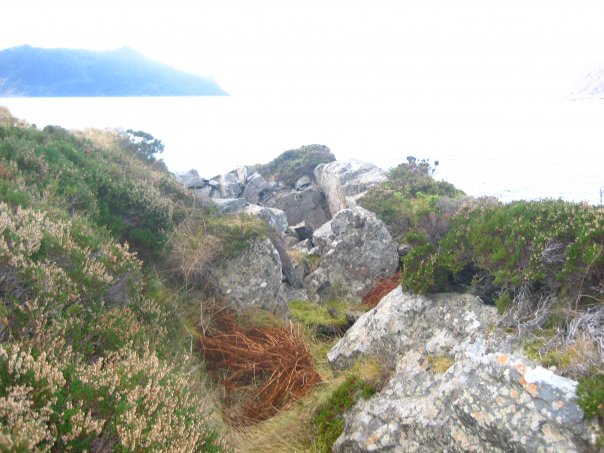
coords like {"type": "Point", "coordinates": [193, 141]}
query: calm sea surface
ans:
{"type": "Point", "coordinates": [530, 151]}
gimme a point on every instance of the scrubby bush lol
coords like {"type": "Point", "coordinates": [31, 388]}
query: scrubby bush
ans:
{"type": "Point", "coordinates": [552, 244]}
{"type": "Point", "coordinates": [412, 200]}
{"type": "Point", "coordinates": [590, 396]}
{"type": "Point", "coordinates": [92, 174]}
{"type": "Point", "coordinates": [292, 164]}
{"type": "Point", "coordinates": [91, 350]}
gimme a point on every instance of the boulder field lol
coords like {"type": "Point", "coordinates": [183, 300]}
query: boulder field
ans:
{"type": "Point", "coordinates": [456, 382]}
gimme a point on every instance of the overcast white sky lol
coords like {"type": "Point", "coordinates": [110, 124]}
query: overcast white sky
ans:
{"type": "Point", "coordinates": [460, 49]}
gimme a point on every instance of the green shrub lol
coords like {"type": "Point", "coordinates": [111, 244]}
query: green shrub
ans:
{"type": "Point", "coordinates": [503, 302]}
{"type": "Point", "coordinates": [590, 396]}
{"type": "Point", "coordinates": [421, 270]}
{"type": "Point", "coordinates": [553, 244]}
{"type": "Point", "coordinates": [412, 200]}
{"type": "Point", "coordinates": [292, 164]}
{"type": "Point", "coordinates": [329, 420]}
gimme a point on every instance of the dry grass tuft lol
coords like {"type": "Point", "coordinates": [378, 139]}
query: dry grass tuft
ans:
{"type": "Point", "coordinates": [263, 369]}
{"type": "Point", "coordinates": [373, 297]}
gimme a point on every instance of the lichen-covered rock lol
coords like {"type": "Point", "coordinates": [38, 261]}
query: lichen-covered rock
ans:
{"type": "Point", "coordinates": [485, 398]}
{"type": "Point", "coordinates": [402, 321]}
{"type": "Point", "coordinates": [307, 206]}
{"type": "Point", "coordinates": [274, 217]}
{"type": "Point", "coordinates": [252, 279]}
{"type": "Point", "coordinates": [256, 188]}
{"type": "Point", "coordinates": [229, 205]}
{"type": "Point", "coordinates": [483, 403]}
{"type": "Point", "coordinates": [345, 181]}
{"type": "Point", "coordinates": [356, 254]}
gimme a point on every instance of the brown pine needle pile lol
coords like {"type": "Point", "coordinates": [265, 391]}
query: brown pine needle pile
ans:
{"type": "Point", "coordinates": [386, 285]}
{"type": "Point", "coordinates": [262, 368]}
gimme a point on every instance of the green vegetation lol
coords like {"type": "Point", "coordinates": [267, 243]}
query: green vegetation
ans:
{"type": "Point", "coordinates": [292, 164]}
{"type": "Point", "coordinates": [540, 262]}
{"type": "Point", "coordinates": [590, 394]}
{"type": "Point", "coordinates": [205, 239]}
{"type": "Point", "coordinates": [328, 316]}
{"type": "Point", "coordinates": [93, 354]}
{"type": "Point", "coordinates": [328, 419]}
{"type": "Point", "coordinates": [412, 200]}
{"type": "Point", "coordinates": [439, 363]}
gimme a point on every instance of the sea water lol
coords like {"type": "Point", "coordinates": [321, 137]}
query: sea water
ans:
{"type": "Point", "coordinates": [549, 149]}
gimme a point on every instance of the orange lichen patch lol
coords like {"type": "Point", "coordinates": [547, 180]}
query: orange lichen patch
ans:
{"type": "Point", "coordinates": [263, 369]}
{"type": "Point", "coordinates": [514, 394]}
{"type": "Point", "coordinates": [520, 368]}
{"type": "Point", "coordinates": [522, 381]}
{"type": "Point", "coordinates": [503, 359]}
{"type": "Point", "coordinates": [372, 298]}
{"type": "Point", "coordinates": [558, 404]}
{"type": "Point", "coordinates": [499, 400]}
{"type": "Point", "coordinates": [533, 389]}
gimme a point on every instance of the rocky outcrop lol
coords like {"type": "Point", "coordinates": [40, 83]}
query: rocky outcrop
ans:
{"type": "Point", "coordinates": [344, 182]}
{"type": "Point", "coordinates": [230, 185]}
{"type": "Point", "coordinates": [402, 321]}
{"type": "Point", "coordinates": [252, 279]}
{"type": "Point", "coordinates": [274, 217]}
{"type": "Point", "coordinates": [308, 206]}
{"type": "Point", "coordinates": [357, 251]}
{"type": "Point", "coordinates": [256, 188]}
{"type": "Point", "coordinates": [486, 398]}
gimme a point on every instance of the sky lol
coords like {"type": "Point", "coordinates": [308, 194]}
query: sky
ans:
{"type": "Point", "coordinates": [325, 50]}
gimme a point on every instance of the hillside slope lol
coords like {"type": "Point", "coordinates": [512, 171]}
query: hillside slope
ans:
{"type": "Point", "coordinates": [33, 72]}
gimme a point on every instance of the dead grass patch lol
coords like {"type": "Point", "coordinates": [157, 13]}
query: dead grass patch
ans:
{"type": "Point", "coordinates": [263, 369]}
{"type": "Point", "coordinates": [373, 297]}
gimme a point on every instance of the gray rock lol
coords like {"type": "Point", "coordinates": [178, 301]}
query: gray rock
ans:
{"type": "Point", "coordinates": [357, 253]}
{"type": "Point", "coordinates": [229, 205]}
{"type": "Point", "coordinates": [274, 217]}
{"type": "Point", "coordinates": [484, 402]}
{"type": "Point", "coordinates": [256, 188]}
{"type": "Point", "coordinates": [230, 187]}
{"type": "Point", "coordinates": [488, 399]}
{"type": "Point", "coordinates": [190, 179]}
{"type": "Point", "coordinates": [402, 321]}
{"type": "Point", "coordinates": [323, 237]}
{"type": "Point", "coordinates": [307, 206]}
{"type": "Point", "coordinates": [344, 182]}
{"type": "Point", "coordinates": [316, 283]}
{"type": "Point", "coordinates": [303, 231]}
{"type": "Point", "coordinates": [302, 246]}
{"type": "Point", "coordinates": [242, 174]}
{"type": "Point", "coordinates": [252, 279]}
{"type": "Point", "coordinates": [289, 294]}
{"type": "Point", "coordinates": [303, 183]}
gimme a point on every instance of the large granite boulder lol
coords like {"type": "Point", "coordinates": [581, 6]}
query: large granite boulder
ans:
{"type": "Point", "coordinates": [256, 188]}
{"type": "Point", "coordinates": [486, 398]}
{"type": "Point", "coordinates": [357, 251]}
{"type": "Point", "coordinates": [308, 206]}
{"type": "Point", "coordinates": [230, 185]}
{"type": "Point", "coordinates": [345, 181]}
{"type": "Point", "coordinates": [274, 217]}
{"type": "Point", "coordinates": [403, 321]}
{"type": "Point", "coordinates": [252, 279]}
{"type": "Point", "coordinates": [190, 179]}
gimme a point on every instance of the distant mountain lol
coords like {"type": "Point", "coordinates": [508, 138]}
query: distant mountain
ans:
{"type": "Point", "coordinates": [591, 86]}
{"type": "Point", "coordinates": [33, 72]}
